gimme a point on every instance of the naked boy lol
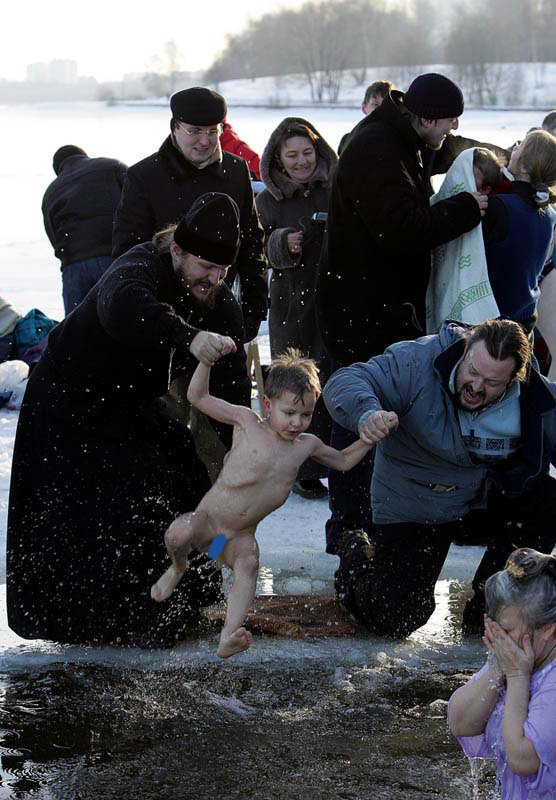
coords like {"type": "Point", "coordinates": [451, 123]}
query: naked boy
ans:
{"type": "Point", "coordinates": [256, 479]}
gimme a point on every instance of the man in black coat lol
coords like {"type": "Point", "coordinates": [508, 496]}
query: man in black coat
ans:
{"type": "Point", "coordinates": [381, 230]}
{"type": "Point", "coordinates": [78, 212]}
{"type": "Point", "coordinates": [161, 187]}
{"type": "Point", "coordinates": [101, 467]}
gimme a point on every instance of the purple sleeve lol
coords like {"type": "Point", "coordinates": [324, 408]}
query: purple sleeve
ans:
{"type": "Point", "coordinates": [540, 729]}
{"type": "Point", "coordinates": [475, 746]}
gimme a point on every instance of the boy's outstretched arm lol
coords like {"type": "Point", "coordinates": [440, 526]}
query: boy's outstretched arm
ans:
{"type": "Point", "coordinates": [214, 407]}
{"type": "Point", "coordinates": [344, 460]}
{"type": "Point", "coordinates": [341, 460]}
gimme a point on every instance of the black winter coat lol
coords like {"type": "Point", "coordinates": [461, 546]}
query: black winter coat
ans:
{"type": "Point", "coordinates": [160, 189]}
{"type": "Point", "coordinates": [101, 467]}
{"type": "Point", "coordinates": [78, 207]}
{"type": "Point", "coordinates": [381, 229]}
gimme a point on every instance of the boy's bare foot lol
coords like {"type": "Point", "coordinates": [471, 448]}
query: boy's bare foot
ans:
{"type": "Point", "coordinates": [165, 585]}
{"type": "Point", "coordinates": [239, 640]}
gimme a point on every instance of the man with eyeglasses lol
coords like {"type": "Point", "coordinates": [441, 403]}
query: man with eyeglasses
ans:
{"type": "Point", "coordinates": [159, 189]}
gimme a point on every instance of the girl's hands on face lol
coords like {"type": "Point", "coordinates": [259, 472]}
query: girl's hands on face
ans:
{"type": "Point", "coordinates": [512, 660]}
{"type": "Point", "coordinates": [488, 641]}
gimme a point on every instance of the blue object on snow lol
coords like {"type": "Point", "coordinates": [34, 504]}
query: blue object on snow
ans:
{"type": "Point", "coordinates": [217, 545]}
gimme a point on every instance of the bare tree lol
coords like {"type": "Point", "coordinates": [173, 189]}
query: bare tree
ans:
{"type": "Point", "coordinates": [321, 42]}
{"type": "Point", "coordinates": [474, 44]}
{"type": "Point", "coordinates": [164, 70]}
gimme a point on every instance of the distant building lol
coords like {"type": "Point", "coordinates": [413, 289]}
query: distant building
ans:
{"type": "Point", "coordinates": [37, 73]}
{"type": "Point", "coordinates": [59, 71]}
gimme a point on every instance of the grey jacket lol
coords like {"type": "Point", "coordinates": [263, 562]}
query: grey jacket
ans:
{"type": "Point", "coordinates": [423, 471]}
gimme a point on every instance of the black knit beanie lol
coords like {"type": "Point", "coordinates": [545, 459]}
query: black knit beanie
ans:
{"type": "Point", "coordinates": [198, 106]}
{"type": "Point", "coordinates": [210, 229]}
{"type": "Point", "coordinates": [433, 96]}
{"type": "Point", "coordinates": [65, 152]}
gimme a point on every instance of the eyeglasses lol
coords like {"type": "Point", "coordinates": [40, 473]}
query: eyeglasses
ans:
{"type": "Point", "coordinates": [195, 132]}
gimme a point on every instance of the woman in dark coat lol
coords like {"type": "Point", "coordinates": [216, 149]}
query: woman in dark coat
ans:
{"type": "Point", "coordinates": [101, 467]}
{"type": "Point", "coordinates": [296, 168]}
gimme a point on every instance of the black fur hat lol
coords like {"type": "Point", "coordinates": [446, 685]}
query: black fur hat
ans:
{"type": "Point", "coordinates": [198, 106]}
{"type": "Point", "coordinates": [210, 229]}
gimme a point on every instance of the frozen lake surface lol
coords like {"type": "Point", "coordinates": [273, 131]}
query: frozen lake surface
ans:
{"type": "Point", "coordinates": [352, 718]}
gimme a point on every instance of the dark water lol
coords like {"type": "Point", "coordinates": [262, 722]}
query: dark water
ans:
{"type": "Point", "coordinates": [266, 731]}
{"type": "Point", "coordinates": [354, 719]}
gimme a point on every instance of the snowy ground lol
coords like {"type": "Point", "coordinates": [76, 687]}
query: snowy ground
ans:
{"type": "Point", "coordinates": [292, 539]}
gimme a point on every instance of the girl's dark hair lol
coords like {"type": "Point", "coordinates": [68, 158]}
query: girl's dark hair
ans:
{"type": "Point", "coordinates": [528, 582]}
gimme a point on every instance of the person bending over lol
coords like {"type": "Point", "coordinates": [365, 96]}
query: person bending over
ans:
{"type": "Point", "coordinates": [506, 710]}
{"type": "Point", "coordinates": [459, 286]}
{"type": "Point", "coordinates": [256, 479]}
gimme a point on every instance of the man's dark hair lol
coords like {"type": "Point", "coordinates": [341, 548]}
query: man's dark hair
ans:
{"type": "Point", "coordinates": [381, 88]}
{"type": "Point", "coordinates": [503, 338]}
{"type": "Point", "coordinates": [549, 122]}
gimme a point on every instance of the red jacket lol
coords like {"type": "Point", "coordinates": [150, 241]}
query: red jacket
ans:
{"type": "Point", "coordinates": [230, 141]}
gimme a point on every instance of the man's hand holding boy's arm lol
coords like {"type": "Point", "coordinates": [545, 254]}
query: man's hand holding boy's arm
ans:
{"type": "Point", "coordinates": [213, 346]}
{"type": "Point", "coordinates": [346, 459]}
{"type": "Point", "coordinates": [208, 347]}
{"type": "Point", "coordinates": [377, 425]}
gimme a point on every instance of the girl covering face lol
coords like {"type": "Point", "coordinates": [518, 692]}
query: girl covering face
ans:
{"type": "Point", "coordinates": [506, 711]}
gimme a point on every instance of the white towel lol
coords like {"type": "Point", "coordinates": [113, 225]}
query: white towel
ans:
{"type": "Point", "coordinates": [9, 317]}
{"type": "Point", "coordinates": [459, 287]}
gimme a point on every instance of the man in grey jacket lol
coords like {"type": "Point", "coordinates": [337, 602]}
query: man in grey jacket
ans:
{"type": "Point", "coordinates": [468, 461]}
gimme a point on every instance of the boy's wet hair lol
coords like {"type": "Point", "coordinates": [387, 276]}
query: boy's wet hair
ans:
{"type": "Point", "coordinates": [292, 372]}
{"type": "Point", "coordinates": [488, 163]}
